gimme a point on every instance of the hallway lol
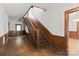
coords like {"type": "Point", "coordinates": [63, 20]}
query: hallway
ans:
{"type": "Point", "coordinates": [17, 46]}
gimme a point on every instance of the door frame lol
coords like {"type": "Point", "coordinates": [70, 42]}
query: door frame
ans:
{"type": "Point", "coordinates": [8, 26]}
{"type": "Point", "coordinates": [66, 22]}
{"type": "Point", "coordinates": [77, 30]}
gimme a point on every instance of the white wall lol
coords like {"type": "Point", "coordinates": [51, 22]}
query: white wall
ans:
{"type": "Point", "coordinates": [3, 21]}
{"type": "Point", "coordinates": [13, 21]}
{"type": "Point", "coordinates": [53, 18]}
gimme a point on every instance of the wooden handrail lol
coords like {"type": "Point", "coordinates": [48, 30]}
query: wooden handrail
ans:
{"type": "Point", "coordinates": [35, 24]}
{"type": "Point", "coordinates": [35, 34]}
{"type": "Point", "coordinates": [32, 24]}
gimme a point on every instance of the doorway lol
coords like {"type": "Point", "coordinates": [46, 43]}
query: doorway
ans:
{"type": "Point", "coordinates": [71, 32]}
{"type": "Point", "coordinates": [73, 25]}
{"type": "Point", "coordinates": [18, 28]}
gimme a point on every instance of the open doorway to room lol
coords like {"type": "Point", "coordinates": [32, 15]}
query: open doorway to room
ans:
{"type": "Point", "coordinates": [73, 25]}
{"type": "Point", "coordinates": [72, 30]}
{"type": "Point", "coordinates": [73, 33]}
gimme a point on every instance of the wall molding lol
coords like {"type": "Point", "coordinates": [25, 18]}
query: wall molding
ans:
{"type": "Point", "coordinates": [73, 34]}
{"type": "Point", "coordinates": [14, 33]}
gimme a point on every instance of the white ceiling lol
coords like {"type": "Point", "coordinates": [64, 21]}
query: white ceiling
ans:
{"type": "Point", "coordinates": [19, 9]}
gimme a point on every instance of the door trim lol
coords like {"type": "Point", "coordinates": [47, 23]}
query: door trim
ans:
{"type": "Point", "coordinates": [66, 22]}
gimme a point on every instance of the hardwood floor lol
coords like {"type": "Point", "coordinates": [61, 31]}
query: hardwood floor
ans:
{"type": "Point", "coordinates": [73, 46]}
{"type": "Point", "coordinates": [20, 46]}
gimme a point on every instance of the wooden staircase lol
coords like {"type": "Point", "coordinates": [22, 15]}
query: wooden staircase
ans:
{"type": "Point", "coordinates": [42, 37]}
{"type": "Point", "coordinates": [43, 41]}
{"type": "Point", "coordinates": [38, 37]}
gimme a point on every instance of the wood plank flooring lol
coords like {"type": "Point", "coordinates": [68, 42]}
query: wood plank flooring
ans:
{"type": "Point", "coordinates": [16, 46]}
{"type": "Point", "coordinates": [73, 45]}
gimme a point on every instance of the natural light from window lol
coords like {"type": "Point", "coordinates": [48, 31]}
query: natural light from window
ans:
{"type": "Point", "coordinates": [18, 27]}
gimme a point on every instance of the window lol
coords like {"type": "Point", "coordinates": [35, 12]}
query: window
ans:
{"type": "Point", "coordinates": [18, 27]}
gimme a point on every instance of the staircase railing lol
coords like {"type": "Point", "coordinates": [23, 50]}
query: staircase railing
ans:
{"type": "Point", "coordinates": [34, 30]}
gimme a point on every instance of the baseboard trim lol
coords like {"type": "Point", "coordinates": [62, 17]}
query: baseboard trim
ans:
{"type": "Point", "coordinates": [59, 41]}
